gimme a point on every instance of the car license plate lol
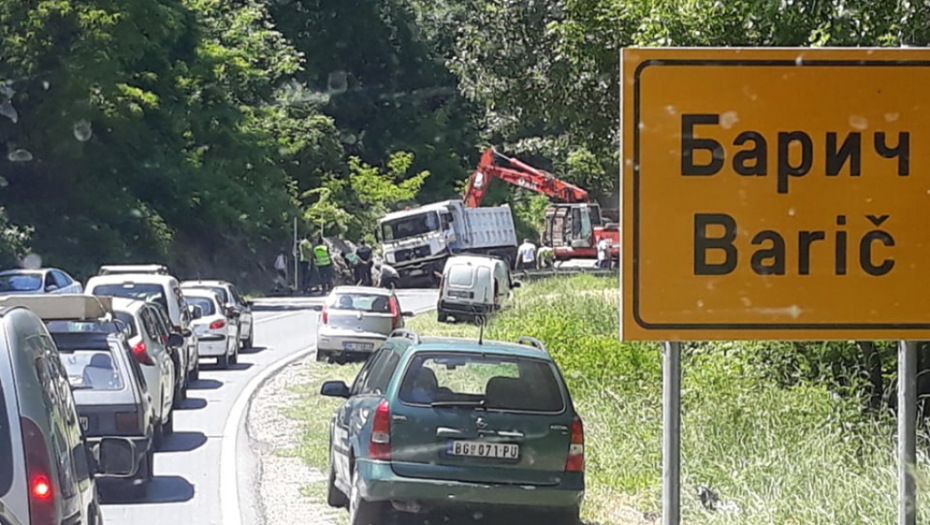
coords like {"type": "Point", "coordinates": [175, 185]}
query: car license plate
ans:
{"type": "Point", "coordinates": [461, 294]}
{"type": "Point", "coordinates": [481, 449]}
{"type": "Point", "coordinates": [358, 346]}
{"type": "Point", "coordinates": [83, 423]}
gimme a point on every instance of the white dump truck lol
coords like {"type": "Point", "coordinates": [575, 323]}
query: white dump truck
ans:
{"type": "Point", "coordinates": [417, 241]}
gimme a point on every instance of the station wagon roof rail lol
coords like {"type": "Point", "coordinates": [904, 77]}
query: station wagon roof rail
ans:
{"type": "Point", "coordinates": [406, 334]}
{"type": "Point", "coordinates": [532, 341]}
{"type": "Point", "coordinates": [63, 307]}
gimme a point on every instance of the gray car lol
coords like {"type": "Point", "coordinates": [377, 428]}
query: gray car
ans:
{"type": "Point", "coordinates": [112, 400]}
{"type": "Point", "coordinates": [47, 467]}
{"type": "Point", "coordinates": [355, 320]}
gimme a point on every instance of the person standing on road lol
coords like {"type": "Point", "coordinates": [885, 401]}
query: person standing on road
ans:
{"type": "Point", "coordinates": [364, 255]}
{"type": "Point", "coordinates": [603, 253]}
{"type": "Point", "coordinates": [306, 260]}
{"type": "Point", "coordinates": [324, 264]}
{"type": "Point", "coordinates": [526, 255]}
{"type": "Point", "coordinates": [280, 267]}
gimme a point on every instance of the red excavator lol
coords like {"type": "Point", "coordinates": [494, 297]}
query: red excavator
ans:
{"type": "Point", "coordinates": [574, 223]}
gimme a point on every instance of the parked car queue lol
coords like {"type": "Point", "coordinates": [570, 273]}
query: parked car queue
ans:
{"type": "Point", "coordinates": [112, 360]}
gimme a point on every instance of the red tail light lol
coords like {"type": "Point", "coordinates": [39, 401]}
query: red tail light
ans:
{"type": "Point", "coordinates": [395, 314]}
{"type": "Point", "coordinates": [42, 508]}
{"type": "Point", "coordinates": [141, 354]}
{"type": "Point", "coordinates": [216, 325]}
{"type": "Point", "coordinates": [325, 314]}
{"type": "Point", "coordinates": [380, 445]}
{"type": "Point", "coordinates": [575, 461]}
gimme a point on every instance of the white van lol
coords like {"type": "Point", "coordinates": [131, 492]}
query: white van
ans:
{"type": "Point", "coordinates": [473, 286]}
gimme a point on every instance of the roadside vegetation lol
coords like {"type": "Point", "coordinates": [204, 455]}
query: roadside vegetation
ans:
{"type": "Point", "coordinates": [802, 451]}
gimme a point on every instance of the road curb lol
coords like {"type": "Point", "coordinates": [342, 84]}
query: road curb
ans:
{"type": "Point", "coordinates": [229, 464]}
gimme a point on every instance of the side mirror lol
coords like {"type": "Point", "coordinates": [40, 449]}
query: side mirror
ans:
{"type": "Point", "coordinates": [335, 389]}
{"type": "Point", "coordinates": [186, 332]}
{"type": "Point", "coordinates": [115, 457]}
{"type": "Point", "coordinates": [176, 340]}
{"type": "Point", "coordinates": [317, 307]}
{"type": "Point", "coordinates": [516, 284]}
{"type": "Point", "coordinates": [232, 313]}
{"type": "Point", "coordinates": [407, 314]}
{"type": "Point", "coordinates": [51, 288]}
{"type": "Point", "coordinates": [249, 304]}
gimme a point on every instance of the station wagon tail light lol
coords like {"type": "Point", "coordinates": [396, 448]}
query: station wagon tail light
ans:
{"type": "Point", "coordinates": [379, 447]}
{"type": "Point", "coordinates": [140, 352]}
{"type": "Point", "coordinates": [395, 314]}
{"type": "Point", "coordinates": [127, 422]}
{"type": "Point", "coordinates": [216, 325]}
{"type": "Point", "coordinates": [575, 461]}
{"type": "Point", "coordinates": [325, 314]}
{"type": "Point", "coordinates": [42, 508]}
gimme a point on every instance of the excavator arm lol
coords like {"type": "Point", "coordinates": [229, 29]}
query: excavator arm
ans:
{"type": "Point", "coordinates": [499, 166]}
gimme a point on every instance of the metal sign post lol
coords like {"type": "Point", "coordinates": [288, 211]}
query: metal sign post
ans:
{"type": "Point", "coordinates": [671, 434]}
{"type": "Point", "coordinates": [907, 432]}
{"type": "Point", "coordinates": [296, 258]}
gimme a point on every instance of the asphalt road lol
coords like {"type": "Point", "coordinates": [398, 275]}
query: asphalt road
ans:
{"type": "Point", "coordinates": [188, 488]}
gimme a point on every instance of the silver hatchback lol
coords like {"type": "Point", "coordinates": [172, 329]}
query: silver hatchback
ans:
{"type": "Point", "coordinates": [354, 320]}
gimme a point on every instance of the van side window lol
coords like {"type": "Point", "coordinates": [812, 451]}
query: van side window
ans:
{"type": "Point", "coordinates": [49, 379]}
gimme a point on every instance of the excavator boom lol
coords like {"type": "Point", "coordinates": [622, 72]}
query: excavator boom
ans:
{"type": "Point", "coordinates": [499, 166]}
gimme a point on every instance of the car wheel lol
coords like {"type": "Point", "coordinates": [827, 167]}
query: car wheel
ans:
{"type": "Point", "coordinates": [334, 496]}
{"type": "Point", "coordinates": [441, 316]}
{"type": "Point", "coordinates": [234, 359]}
{"type": "Point", "coordinates": [158, 436]}
{"type": "Point", "coordinates": [223, 361]}
{"type": "Point", "coordinates": [321, 356]}
{"type": "Point", "coordinates": [195, 373]}
{"type": "Point", "coordinates": [249, 340]}
{"type": "Point", "coordinates": [363, 512]}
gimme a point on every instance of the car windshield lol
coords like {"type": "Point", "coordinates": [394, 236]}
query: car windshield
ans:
{"type": "Point", "coordinates": [218, 290]}
{"type": "Point", "coordinates": [490, 382]}
{"type": "Point", "coordinates": [20, 282]}
{"type": "Point", "coordinates": [92, 370]}
{"type": "Point", "coordinates": [205, 304]}
{"type": "Point", "coordinates": [6, 448]}
{"type": "Point", "coordinates": [410, 226]}
{"type": "Point", "coordinates": [143, 292]}
{"type": "Point", "coordinates": [366, 302]}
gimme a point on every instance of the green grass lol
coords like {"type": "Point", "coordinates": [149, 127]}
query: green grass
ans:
{"type": "Point", "coordinates": [798, 455]}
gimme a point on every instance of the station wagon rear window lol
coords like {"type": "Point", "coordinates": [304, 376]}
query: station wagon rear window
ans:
{"type": "Point", "coordinates": [140, 292]}
{"type": "Point", "coordinates": [92, 370]}
{"type": "Point", "coordinates": [20, 282]}
{"type": "Point", "coordinates": [218, 290]}
{"type": "Point", "coordinates": [6, 448]}
{"type": "Point", "coordinates": [482, 381]}
{"type": "Point", "coordinates": [89, 327]}
{"type": "Point", "coordinates": [366, 302]}
{"type": "Point", "coordinates": [205, 304]}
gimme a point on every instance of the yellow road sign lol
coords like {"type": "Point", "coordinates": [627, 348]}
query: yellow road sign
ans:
{"type": "Point", "coordinates": [776, 194]}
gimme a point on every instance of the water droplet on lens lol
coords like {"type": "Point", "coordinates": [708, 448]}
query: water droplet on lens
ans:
{"type": "Point", "coordinates": [8, 111]}
{"type": "Point", "coordinates": [82, 130]}
{"type": "Point", "coordinates": [338, 82]}
{"type": "Point", "coordinates": [32, 261]}
{"type": "Point", "coordinates": [19, 155]}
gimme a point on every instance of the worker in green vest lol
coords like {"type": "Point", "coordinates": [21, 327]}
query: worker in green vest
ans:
{"type": "Point", "coordinates": [306, 264]}
{"type": "Point", "coordinates": [324, 264]}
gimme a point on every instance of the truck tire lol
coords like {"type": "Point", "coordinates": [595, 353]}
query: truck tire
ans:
{"type": "Point", "coordinates": [441, 316]}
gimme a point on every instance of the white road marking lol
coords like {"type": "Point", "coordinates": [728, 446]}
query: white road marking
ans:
{"type": "Point", "coordinates": [229, 481]}
{"type": "Point", "coordinates": [276, 317]}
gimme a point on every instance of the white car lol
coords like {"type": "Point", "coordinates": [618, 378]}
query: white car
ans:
{"type": "Point", "coordinates": [229, 298]}
{"type": "Point", "coordinates": [355, 320]}
{"type": "Point", "coordinates": [149, 350]}
{"type": "Point", "coordinates": [46, 466]}
{"type": "Point", "coordinates": [216, 335]}
{"type": "Point", "coordinates": [40, 281]}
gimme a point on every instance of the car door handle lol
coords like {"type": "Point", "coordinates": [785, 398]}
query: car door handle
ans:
{"type": "Point", "coordinates": [449, 432]}
{"type": "Point", "coordinates": [510, 434]}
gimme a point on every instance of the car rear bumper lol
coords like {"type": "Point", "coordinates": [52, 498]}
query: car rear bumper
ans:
{"type": "Point", "coordinates": [380, 483]}
{"type": "Point", "coordinates": [467, 308]}
{"type": "Point", "coordinates": [336, 343]}
{"type": "Point", "coordinates": [212, 345]}
{"type": "Point", "coordinates": [142, 444]}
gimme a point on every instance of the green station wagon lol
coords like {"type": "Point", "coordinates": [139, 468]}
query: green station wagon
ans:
{"type": "Point", "coordinates": [446, 424]}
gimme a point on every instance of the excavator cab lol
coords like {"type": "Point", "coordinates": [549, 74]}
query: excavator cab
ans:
{"type": "Point", "coordinates": [571, 225]}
